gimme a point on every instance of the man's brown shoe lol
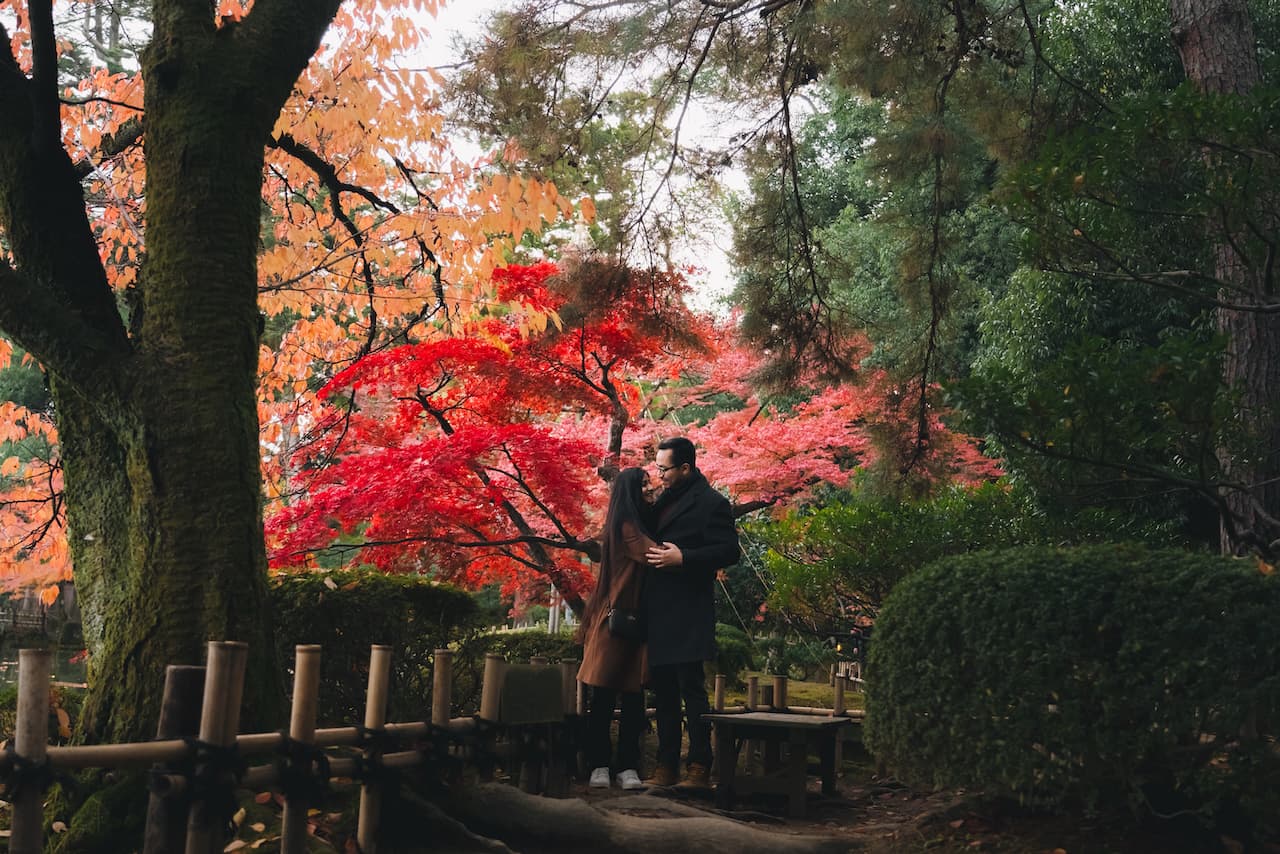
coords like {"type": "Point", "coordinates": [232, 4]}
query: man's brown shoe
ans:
{"type": "Point", "coordinates": [697, 777]}
{"type": "Point", "coordinates": [662, 776]}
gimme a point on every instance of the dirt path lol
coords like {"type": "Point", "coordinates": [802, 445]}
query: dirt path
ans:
{"type": "Point", "coordinates": [884, 817]}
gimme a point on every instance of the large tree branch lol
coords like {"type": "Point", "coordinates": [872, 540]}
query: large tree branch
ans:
{"type": "Point", "coordinates": [182, 19]}
{"type": "Point", "coordinates": [56, 302]}
{"type": "Point", "coordinates": [67, 346]}
{"type": "Point", "coordinates": [740, 510]}
{"type": "Point", "coordinates": [126, 135]}
{"type": "Point", "coordinates": [276, 41]}
{"type": "Point", "coordinates": [46, 120]}
{"type": "Point", "coordinates": [587, 547]}
{"type": "Point", "coordinates": [328, 176]}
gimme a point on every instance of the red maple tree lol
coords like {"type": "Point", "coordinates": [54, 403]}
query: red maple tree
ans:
{"type": "Point", "coordinates": [485, 455]}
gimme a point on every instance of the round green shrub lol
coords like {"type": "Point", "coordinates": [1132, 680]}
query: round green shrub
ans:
{"type": "Point", "coordinates": [1078, 676]}
{"type": "Point", "coordinates": [734, 654]}
{"type": "Point", "coordinates": [346, 612]}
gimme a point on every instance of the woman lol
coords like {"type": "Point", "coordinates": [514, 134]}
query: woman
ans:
{"type": "Point", "coordinates": [613, 665]}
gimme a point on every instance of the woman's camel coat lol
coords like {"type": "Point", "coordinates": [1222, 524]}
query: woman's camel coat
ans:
{"type": "Point", "coordinates": [610, 662]}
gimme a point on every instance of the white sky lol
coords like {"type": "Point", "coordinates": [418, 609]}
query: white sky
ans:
{"type": "Point", "coordinates": [709, 250]}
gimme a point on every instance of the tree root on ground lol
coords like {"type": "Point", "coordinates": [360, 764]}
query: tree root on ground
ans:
{"type": "Point", "coordinates": [530, 823]}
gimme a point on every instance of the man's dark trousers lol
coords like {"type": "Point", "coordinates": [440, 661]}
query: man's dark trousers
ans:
{"type": "Point", "coordinates": [672, 683]}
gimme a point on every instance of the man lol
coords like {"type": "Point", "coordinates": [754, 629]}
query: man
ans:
{"type": "Point", "coordinates": [696, 538]}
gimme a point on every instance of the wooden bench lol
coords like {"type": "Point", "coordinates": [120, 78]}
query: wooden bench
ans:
{"type": "Point", "coordinates": [801, 733]}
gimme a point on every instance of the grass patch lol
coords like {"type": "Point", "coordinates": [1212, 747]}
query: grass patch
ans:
{"type": "Point", "coordinates": [818, 695]}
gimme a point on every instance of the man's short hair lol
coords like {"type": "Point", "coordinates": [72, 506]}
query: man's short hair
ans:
{"type": "Point", "coordinates": [682, 450]}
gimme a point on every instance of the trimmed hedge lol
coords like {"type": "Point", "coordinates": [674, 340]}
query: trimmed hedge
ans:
{"type": "Point", "coordinates": [1079, 676]}
{"type": "Point", "coordinates": [347, 612]}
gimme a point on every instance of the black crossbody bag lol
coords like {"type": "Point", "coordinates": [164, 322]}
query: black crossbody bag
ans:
{"type": "Point", "coordinates": [629, 624]}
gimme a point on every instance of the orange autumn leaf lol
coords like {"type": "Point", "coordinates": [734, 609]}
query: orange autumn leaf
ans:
{"type": "Point", "coordinates": [418, 256]}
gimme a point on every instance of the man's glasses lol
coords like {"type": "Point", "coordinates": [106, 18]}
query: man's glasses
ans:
{"type": "Point", "coordinates": [665, 469]}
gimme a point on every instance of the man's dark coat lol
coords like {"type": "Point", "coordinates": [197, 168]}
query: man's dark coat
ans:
{"type": "Point", "coordinates": [680, 601]}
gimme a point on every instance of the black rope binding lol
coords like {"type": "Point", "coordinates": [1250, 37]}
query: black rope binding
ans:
{"type": "Point", "coordinates": [370, 769]}
{"type": "Point", "coordinates": [438, 761]}
{"type": "Point", "coordinates": [303, 770]}
{"type": "Point", "coordinates": [218, 770]}
{"type": "Point", "coordinates": [22, 774]}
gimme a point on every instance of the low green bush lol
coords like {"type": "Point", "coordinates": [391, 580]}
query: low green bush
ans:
{"type": "Point", "coordinates": [834, 564]}
{"type": "Point", "coordinates": [1082, 676]}
{"type": "Point", "coordinates": [795, 656]}
{"type": "Point", "coordinates": [348, 611]}
{"type": "Point", "coordinates": [735, 654]}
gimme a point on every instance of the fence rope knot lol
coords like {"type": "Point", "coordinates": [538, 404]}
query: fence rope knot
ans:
{"type": "Point", "coordinates": [303, 770]}
{"type": "Point", "coordinates": [437, 754]}
{"type": "Point", "coordinates": [370, 768]}
{"type": "Point", "coordinates": [214, 772]}
{"type": "Point", "coordinates": [20, 774]}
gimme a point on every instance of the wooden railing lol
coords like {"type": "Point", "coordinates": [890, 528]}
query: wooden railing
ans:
{"type": "Point", "coordinates": [197, 761]}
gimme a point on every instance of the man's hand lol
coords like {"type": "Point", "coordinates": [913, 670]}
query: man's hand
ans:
{"type": "Point", "coordinates": [665, 555]}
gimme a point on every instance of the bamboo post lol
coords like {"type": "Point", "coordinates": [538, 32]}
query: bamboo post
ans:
{"type": "Point", "coordinates": [302, 728]}
{"type": "Point", "coordinates": [441, 687]}
{"type": "Point", "coordinates": [837, 710]}
{"type": "Point", "coordinates": [569, 685]}
{"type": "Point", "coordinates": [219, 720]}
{"type": "Point", "coordinates": [491, 690]}
{"type": "Point", "coordinates": [572, 734]}
{"type": "Point", "coordinates": [375, 715]}
{"type": "Point", "coordinates": [752, 703]}
{"type": "Point", "coordinates": [167, 818]}
{"type": "Point", "coordinates": [31, 738]}
{"type": "Point", "coordinates": [779, 705]}
{"type": "Point", "coordinates": [495, 667]}
{"type": "Point", "coordinates": [720, 680]}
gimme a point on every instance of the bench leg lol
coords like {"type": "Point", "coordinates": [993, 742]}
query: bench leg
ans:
{"type": "Point", "coordinates": [828, 748]}
{"type": "Point", "coordinates": [726, 763]}
{"type": "Point", "coordinates": [772, 755]}
{"type": "Point", "coordinates": [795, 772]}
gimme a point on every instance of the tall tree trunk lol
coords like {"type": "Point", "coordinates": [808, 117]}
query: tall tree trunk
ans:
{"type": "Point", "coordinates": [1216, 43]}
{"type": "Point", "coordinates": [158, 431]}
{"type": "Point", "coordinates": [182, 483]}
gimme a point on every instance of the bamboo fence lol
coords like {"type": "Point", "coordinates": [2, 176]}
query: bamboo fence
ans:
{"type": "Point", "coordinates": [197, 763]}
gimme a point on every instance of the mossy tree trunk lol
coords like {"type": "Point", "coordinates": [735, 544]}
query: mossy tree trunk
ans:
{"type": "Point", "coordinates": [158, 423]}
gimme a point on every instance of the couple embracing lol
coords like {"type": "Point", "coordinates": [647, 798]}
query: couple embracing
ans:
{"type": "Point", "coordinates": [657, 573]}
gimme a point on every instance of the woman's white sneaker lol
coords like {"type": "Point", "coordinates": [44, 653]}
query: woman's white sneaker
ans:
{"type": "Point", "coordinates": [600, 778]}
{"type": "Point", "coordinates": [630, 780]}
